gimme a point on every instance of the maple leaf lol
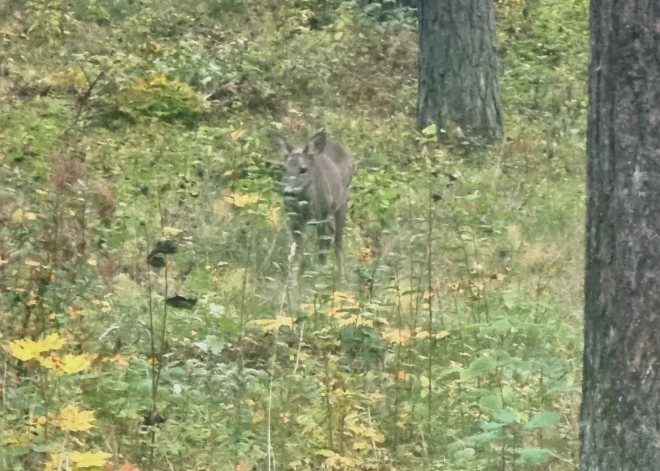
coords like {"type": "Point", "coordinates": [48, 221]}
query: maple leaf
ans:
{"type": "Point", "coordinates": [122, 360]}
{"type": "Point", "coordinates": [72, 364]}
{"type": "Point", "coordinates": [361, 445]}
{"type": "Point", "coordinates": [73, 419]}
{"type": "Point", "coordinates": [24, 349]}
{"type": "Point", "coordinates": [241, 200]}
{"type": "Point", "coordinates": [399, 336]}
{"type": "Point", "coordinates": [275, 324]}
{"type": "Point", "coordinates": [52, 342]}
{"type": "Point", "coordinates": [52, 362]}
{"type": "Point", "coordinates": [90, 459]}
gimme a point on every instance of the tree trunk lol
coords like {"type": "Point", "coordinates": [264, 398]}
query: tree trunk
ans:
{"type": "Point", "coordinates": [458, 66]}
{"type": "Point", "coordinates": [620, 415]}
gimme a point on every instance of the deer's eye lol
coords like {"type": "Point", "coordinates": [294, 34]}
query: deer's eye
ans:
{"type": "Point", "coordinates": [303, 170]}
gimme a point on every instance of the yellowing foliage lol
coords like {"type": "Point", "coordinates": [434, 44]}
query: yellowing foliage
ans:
{"type": "Point", "coordinates": [27, 349]}
{"type": "Point", "coordinates": [274, 324]}
{"type": "Point", "coordinates": [19, 216]}
{"type": "Point", "coordinates": [15, 438]}
{"type": "Point", "coordinates": [397, 336]}
{"type": "Point", "coordinates": [90, 459]}
{"type": "Point", "coordinates": [118, 359]}
{"type": "Point", "coordinates": [274, 215]}
{"type": "Point", "coordinates": [241, 200]}
{"type": "Point", "coordinates": [73, 419]}
{"type": "Point", "coordinates": [68, 364]}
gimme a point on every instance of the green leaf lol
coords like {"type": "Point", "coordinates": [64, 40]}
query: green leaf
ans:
{"type": "Point", "coordinates": [506, 416]}
{"type": "Point", "coordinates": [482, 366]}
{"type": "Point", "coordinates": [490, 426]}
{"type": "Point", "coordinates": [229, 325]}
{"type": "Point", "coordinates": [430, 130]}
{"type": "Point", "coordinates": [534, 455]}
{"type": "Point", "coordinates": [543, 420]}
{"type": "Point", "coordinates": [501, 326]}
{"type": "Point", "coordinates": [215, 344]}
{"type": "Point", "coordinates": [490, 404]}
{"type": "Point", "coordinates": [466, 454]}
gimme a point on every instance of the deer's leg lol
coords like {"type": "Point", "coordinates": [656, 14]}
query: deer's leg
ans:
{"type": "Point", "coordinates": [325, 231]}
{"type": "Point", "coordinates": [340, 223]}
{"type": "Point", "coordinates": [295, 252]}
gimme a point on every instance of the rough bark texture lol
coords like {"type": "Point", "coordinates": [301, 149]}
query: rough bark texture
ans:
{"type": "Point", "coordinates": [458, 66]}
{"type": "Point", "coordinates": [620, 416]}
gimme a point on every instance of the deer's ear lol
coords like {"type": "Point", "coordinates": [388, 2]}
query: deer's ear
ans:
{"type": "Point", "coordinates": [316, 144]}
{"type": "Point", "coordinates": [280, 146]}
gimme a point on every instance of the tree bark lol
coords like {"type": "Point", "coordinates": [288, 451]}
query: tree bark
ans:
{"type": "Point", "coordinates": [620, 415]}
{"type": "Point", "coordinates": [458, 66]}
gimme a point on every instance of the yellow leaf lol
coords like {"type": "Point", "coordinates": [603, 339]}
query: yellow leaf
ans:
{"type": "Point", "coordinates": [90, 459]}
{"type": "Point", "coordinates": [241, 200]}
{"type": "Point", "coordinates": [75, 313]}
{"type": "Point", "coordinates": [356, 321]}
{"type": "Point", "coordinates": [19, 216]}
{"type": "Point", "coordinates": [118, 359]}
{"type": "Point", "coordinates": [171, 231]}
{"type": "Point", "coordinates": [398, 336]}
{"type": "Point", "coordinates": [375, 396]}
{"type": "Point", "coordinates": [229, 173]}
{"type": "Point", "coordinates": [15, 438]}
{"type": "Point", "coordinates": [274, 215]}
{"type": "Point", "coordinates": [160, 80]}
{"type": "Point", "coordinates": [72, 364]}
{"type": "Point", "coordinates": [32, 263]}
{"type": "Point", "coordinates": [26, 349]}
{"type": "Point", "coordinates": [309, 308]}
{"type": "Point", "coordinates": [402, 375]}
{"type": "Point", "coordinates": [41, 420]}
{"type": "Point", "coordinates": [274, 324]}
{"type": "Point", "coordinates": [361, 446]}
{"type": "Point", "coordinates": [52, 362]}
{"type": "Point", "coordinates": [55, 463]}
{"type": "Point", "coordinates": [379, 437]}
{"type": "Point", "coordinates": [23, 349]}
{"type": "Point", "coordinates": [73, 419]}
{"type": "Point", "coordinates": [236, 135]}
{"type": "Point", "coordinates": [338, 35]}
{"type": "Point", "coordinates": [91, 261]}
{"type": "Point", "coordinates": [52, 342]}
{"type": "Point", "coordinates": [422, 334]}
{"type": "Point", "coordinates": [441, 335]}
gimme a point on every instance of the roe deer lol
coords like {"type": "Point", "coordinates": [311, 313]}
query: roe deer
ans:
{"type": "Point", "coordinates": [315, 190]}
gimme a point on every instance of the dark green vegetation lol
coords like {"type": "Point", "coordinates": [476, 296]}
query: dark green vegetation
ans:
{"type": "Point", "coordinates": [456, 342]}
